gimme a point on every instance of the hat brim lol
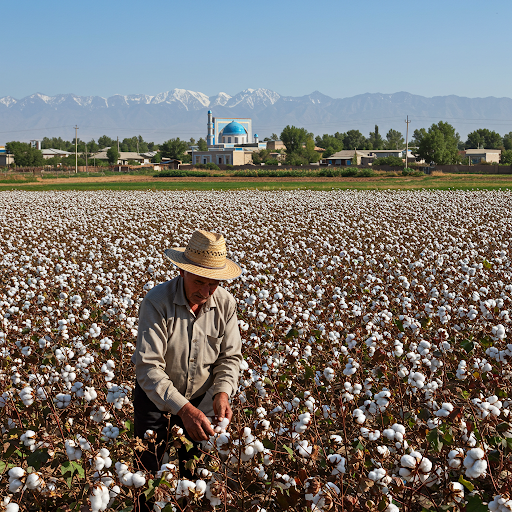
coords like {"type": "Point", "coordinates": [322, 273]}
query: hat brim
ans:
{"type": "Point", "coordinates": [176, 256]}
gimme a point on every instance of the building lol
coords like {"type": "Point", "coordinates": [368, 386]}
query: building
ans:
{"type": "Point", "coordinates": [124, 157]}
{"type": "Point", "coordinates": [347, 157]}
{"type": "Point", "coordinates": [50, 153]}
{"type": "Point", "coordinates": [5, 158]}
{"type": "Point", "coordinates": [230, 142]}
{"type": "Point", "coordinates": [365, 156]}
{"type": "Point", "coordinates": [232, 130]}
{"type": "Point", "coordinates": [275, 144]}
{"type": "Point", "coordinates": [477, 156]}
{"type": "Point", "coordinates": [222, 156]}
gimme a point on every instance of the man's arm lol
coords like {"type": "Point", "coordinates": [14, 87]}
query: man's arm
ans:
{"type": "Point", "coordinates": [150, 359]}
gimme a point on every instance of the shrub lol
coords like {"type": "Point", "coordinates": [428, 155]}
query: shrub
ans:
{"type": "Point", "coordinates": [412, 172]}
{"type": "Point", "coordinates": [180, 173]}
{"type": "Point", "coordinates": [336, 172]}
{"type": "Point", "coordinates": [209, 165]}
{"type": "Point", "coordinates": [393, 161]}
{"type": "Point", "coordinates": [366, 173]}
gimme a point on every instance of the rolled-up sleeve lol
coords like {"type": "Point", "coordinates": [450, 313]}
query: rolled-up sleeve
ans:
{"type": "Point", "coordinates": [150, 360]}
{"type": "Point", "coordinates": [226, 369]}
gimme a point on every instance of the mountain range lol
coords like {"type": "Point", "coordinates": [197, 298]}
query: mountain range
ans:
{"type": "Point", "coordinates": [182, 113]}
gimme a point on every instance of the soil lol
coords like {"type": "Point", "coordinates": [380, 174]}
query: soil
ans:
{"type": "Point", "coordinates": [126, 178]}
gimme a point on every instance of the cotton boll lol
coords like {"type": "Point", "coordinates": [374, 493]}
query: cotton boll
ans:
{"type": "Point", "coordinates": [15, 485]}
{"type": "Point", "coordinates": [304, 449]}
{"type": "Point", "coordinates": [500, 504]}
{"type": "Point", "coordinates": [99, 498]}
{"type": "Point", "coordinates": [475, 463]}
{"type": "Point", "coordinates": [33, 481]}
{"type": "Point", "coordinates": [16, 473]}
{"type": "Point", "coordinates": [338, 463]}
{"type": "Point", "coordinates": [138, 479]}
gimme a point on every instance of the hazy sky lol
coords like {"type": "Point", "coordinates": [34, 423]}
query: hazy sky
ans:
{"type": "Point", "coordinates": [340, 48]}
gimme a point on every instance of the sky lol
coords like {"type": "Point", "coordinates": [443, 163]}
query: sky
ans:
{"type": "Point", "coordinates": [294, 47]}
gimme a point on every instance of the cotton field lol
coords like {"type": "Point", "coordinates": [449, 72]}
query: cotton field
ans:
{"type": "Point", "coordinates": [377, 352]}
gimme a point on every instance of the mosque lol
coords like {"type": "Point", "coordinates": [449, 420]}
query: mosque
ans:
{"type": "Point", "coordinates": [230, 142]}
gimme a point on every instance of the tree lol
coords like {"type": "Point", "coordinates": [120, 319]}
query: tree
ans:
{"type": "Point", "coordinates": [134, 144]}
{"type": "Point", "coordinates": [261, 156]}
{"type": "Point", "coordinates": [304, 155]}
{"type": "Point", "coordinates": [439, 145]}
{"type": "Point", "coordinates": [394, 140]}
{"type": "Point", "coordinates": [484, 138]}
{"type": "Point", "coordinates": [354, 139]}
{"type": "Point", "coordinates": [55, 143]}
{"type": "Point", "coordinates": [201, 144]}
{"type": "Point", "coordinates": [507, 140]}
{"type": "Point", "coordinates": [330, 143]}
{"type": "Point", "coordinates": [506, 157]}
{"type": "Point", "coordinates": [92, 147]}
{"type": "Point", "coordinates": [294, 138]}
{"type": "Point", "coordinates": [105, 142]}
{"type": "Point", "coordinates": [309, 152]}
{"type": "Point", "coordinates": [174, 149]}
{"type": "Point", "coordinates": [375, 140]}
{"type": "Point", "coordinates": [112, 155]}
{"type": "Point", "coordinates": [24, 154]}
{"type": "Point", "coordinates": [157, 158]}
{"type": "Point", "coordinates": [417, 136]}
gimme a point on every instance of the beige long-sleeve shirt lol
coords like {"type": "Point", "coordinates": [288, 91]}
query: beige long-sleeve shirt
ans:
{"type": "Point", "coordinates": [180, 355]}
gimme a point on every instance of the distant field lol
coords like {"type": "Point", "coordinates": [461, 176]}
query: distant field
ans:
{"type": "Point", "coordinates": [131, 182]}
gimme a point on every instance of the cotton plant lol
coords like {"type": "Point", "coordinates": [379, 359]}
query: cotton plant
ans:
{"type": "Point", "coordinates": [342, 323]}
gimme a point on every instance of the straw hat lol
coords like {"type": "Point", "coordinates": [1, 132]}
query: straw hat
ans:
{"type": "Point", "coordinates": [205, 256]}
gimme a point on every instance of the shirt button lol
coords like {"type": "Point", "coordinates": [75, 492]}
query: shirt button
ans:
{"type": "Point", "coordinates": [192, 360]}
{"type": "Point", "coordinates": [191, 379]}
{"type": "Point", "coordinates": [195, 341]}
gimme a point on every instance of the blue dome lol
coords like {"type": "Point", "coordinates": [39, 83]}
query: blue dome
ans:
{"type": "Point", "coordinates": [234, 128]}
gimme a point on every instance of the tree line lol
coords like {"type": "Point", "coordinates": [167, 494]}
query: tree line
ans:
{"type": "Point", "coordinates": [27, 156]}
{"type": "Point", "coordinates": [439, 144]}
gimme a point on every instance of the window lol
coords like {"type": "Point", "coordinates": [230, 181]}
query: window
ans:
{"type": "Point", "coordinates": [229, 140]}
{"type": "Point", "coordinates": [236, 140]}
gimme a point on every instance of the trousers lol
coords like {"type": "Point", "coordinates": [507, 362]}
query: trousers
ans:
{"type": "Point", "coordinates": [147, 416]}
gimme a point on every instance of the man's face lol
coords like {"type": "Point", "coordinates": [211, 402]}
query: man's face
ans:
{"type": "Point", "coordinates": [197, 288]}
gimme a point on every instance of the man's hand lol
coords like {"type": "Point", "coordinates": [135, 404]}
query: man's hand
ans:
{"type": "Point", "coordinates": [196, 424]}
{"type": "Point", "coordinates": [221, 406]}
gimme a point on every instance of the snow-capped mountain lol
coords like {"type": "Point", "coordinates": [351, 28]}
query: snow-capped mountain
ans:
{"type": "Point", "coordinates": [182, 113]}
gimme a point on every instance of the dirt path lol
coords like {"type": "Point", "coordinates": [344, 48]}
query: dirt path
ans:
{"type": "Point", "coordinates": [125, 178]}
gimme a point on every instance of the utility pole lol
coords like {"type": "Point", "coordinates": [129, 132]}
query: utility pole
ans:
{"type": "Point", "coordinates": [76, 149]}
{"type": "Point", "coordinates": [86, 166]}
{"type": "Point", "coordinates": [407, 142]}
{"type": "Point", "coordinates": [118, 143]}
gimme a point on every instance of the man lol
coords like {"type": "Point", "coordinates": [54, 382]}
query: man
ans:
{"type": "Point", "coordinates": [188, 349]}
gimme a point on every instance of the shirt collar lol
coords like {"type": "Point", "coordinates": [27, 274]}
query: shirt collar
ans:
{"type": "Point", "coordinates": [180, 298]}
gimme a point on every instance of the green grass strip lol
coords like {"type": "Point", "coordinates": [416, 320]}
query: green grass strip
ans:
{"type": "Point", "coordinates": [398, 183]}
